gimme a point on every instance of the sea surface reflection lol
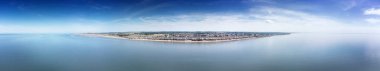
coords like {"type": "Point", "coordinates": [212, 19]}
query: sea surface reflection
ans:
{"type": "Point", "coordinates": [295, 52]}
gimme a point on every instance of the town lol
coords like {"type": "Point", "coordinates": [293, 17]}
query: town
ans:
{"type": "Point", "coordinates": [189, 36]}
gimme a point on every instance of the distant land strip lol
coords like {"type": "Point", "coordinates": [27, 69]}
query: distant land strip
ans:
{"type": "Point", "coordinates": [186, 36]}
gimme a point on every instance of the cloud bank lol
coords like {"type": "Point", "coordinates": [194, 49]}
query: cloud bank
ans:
{"type": "Point", "coordinates": [374, 13]}
{"type": "Point", "coordinates": [258, 20]}
{"type": "Point", "coordinates": [265, 19]}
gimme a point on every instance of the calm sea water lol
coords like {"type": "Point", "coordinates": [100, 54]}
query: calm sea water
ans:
{"type": "Point", "coordinates": [295, 52]}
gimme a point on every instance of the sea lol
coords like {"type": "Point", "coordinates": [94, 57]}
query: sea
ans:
{"type": "Point", "coordinates": [294, 52]}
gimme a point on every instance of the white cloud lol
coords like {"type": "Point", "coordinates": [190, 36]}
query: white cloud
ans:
{"type": "Point", "coordinates": [373, 20]}
{"type": "Point", "coordinates": [349, 4]}
{"type": "Point", "coordinates": [372, 11]}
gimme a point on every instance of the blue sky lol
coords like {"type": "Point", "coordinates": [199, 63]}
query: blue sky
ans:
{"type": "Point", "coordinates": [78, 16]}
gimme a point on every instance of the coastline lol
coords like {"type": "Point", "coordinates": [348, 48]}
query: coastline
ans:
{"type": "Point", "coordinates": [186, 41]}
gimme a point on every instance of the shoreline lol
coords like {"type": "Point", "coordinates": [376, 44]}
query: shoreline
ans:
{"type": "Point", "coordinates": [185, 41]}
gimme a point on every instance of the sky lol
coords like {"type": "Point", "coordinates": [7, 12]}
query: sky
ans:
{"type": "Point", "coordinates": [82, 16]}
